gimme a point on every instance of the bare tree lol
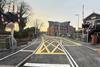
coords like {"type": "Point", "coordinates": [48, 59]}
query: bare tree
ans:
{"type": "Point", "coordinates": [24, 12]}
{"type": "Point", "coordinates": [38, 24]}
{"type": "Point", "coordinates": [2, 4]}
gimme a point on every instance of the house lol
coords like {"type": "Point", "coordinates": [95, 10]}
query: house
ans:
{"type": "Point", "coordinates": [91, 26]}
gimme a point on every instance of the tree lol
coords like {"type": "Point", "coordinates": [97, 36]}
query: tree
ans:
{"type": "Point", "coordinates": [38, 24]}
{"type": "Point", "coordinates": [2, 4]}
{"type": "Point", "coordinates": [24, 12]}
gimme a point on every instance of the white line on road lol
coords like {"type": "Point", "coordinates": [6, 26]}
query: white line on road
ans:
{"type": "Point", "coordinates": [69, 45]}
{"type": "Point", "coordinates": [78, 44]}
{"type": "Point", "coordinates": [18, 51]}
{"type": "Point", "coordinates": [27, 51]}
{"type": "Point", "coordinates": [71, 60]}
{"type": "Point", "coordinates": [94, 49]}
{"type": "Point", "coordinates": [24, 60]}
{"type": "Point", "coordinates": [27, 57]}
{"type": "Point", "coordinates": [45, 65]}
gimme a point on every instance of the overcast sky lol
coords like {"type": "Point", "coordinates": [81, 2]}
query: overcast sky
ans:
{"type": "Point", "coordinates": [63, 10]}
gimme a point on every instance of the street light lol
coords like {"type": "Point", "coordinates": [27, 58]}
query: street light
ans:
{"type": "Point", "coordinates": [77, 21]}
{"type": "Point", "coordinates": [77, 24]}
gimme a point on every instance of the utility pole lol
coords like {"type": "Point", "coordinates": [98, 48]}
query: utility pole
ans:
{"type": "Point", "coordinates": [35, 28]}
{"type": "Point", "coordinates": [35, 25]}
{"type": "Point", "coordinates": [82, 11]}
{"type": "Point", "coordinates": [77, 24]}
{"type": "Point", "coordinates": [83, 22]}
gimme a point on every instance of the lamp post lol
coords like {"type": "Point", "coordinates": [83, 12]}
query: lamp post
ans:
{"type": "Point", "coordinates": [77, 23]}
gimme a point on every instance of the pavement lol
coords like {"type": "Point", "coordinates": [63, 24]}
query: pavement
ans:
{"type": "Point", "coordinates": [94, 47]}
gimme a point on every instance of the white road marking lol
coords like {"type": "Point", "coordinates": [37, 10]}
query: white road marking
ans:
{"type": "Point", "coordinates": [71, 60]}
{"type": "Point", "coordinates": [18, 51]}
{"type": "Point", "coordinates": [26, 58]}
{"type": "Point", "coordinates": [94, 49]}
{"type": "Point", "coordinates": [46, 65]}
{"type": "Point", "coordinates": [27, 50]}
{"type": "Point", "coordinates": [70, 45]}
{"type": "Point", "coordinates": [78, 44]}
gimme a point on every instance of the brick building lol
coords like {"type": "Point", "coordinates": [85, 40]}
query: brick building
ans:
{"type": "Point", "coordinates": [60, 28]}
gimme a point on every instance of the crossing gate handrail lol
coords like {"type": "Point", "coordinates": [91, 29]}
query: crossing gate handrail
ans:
{"type": "Point", "coordinates": [5, 41]}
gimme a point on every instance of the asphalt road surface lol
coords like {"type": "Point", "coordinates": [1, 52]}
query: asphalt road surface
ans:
{"type": "Point", "coordinates": [50, 58]}
{"type": "Point", "coordinates": [83, 56]}
{"type": "Point", "coordinates": [15, 59]}
{"type": "Point", "coordinates": [42, 53]}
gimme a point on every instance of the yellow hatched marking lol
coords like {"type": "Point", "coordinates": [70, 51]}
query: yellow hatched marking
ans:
{"type": "Point", "coordinates": [44, 47]}
{"type": "Point", "coordinates": [55, 48]}
{"type": "Point", "coordinates": [47, 45]}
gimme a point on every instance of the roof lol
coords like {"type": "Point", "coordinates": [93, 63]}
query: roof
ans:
{"type": "Point", "coordinates": [59, 22]}
{"type": "Point", "coordinates": [91, 15]}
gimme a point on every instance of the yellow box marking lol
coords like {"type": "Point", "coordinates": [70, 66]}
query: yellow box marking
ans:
{"type": "Point", "coordinates": [54, 47]}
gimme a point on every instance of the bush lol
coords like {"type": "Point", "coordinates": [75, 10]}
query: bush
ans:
{"type": "Point", "coordinates": [25, 33]}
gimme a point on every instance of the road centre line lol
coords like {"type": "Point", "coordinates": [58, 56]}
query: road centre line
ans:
{"type": "Point", "coordinates": [71, 60]}
{"type": "Point", "coordinates": [66, 54]}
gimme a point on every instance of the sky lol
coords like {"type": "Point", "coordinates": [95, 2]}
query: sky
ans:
{"type": "Point", "coordinates": [62, 10]}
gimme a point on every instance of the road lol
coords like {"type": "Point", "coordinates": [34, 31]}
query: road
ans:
{"type": "Point", "coordinates": [52, 52]}
{"type": "Point", "coordinates": [84, 56]}
{"type": "Point", "coordinates": [18, 57]}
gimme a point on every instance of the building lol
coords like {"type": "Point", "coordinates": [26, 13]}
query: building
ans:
{"type": "Point", "coordinates": [71, 31]}
{"type": "Point", "coordinates": [91, 26]}
{"type": "Point", "coordinates": [60, 28]}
